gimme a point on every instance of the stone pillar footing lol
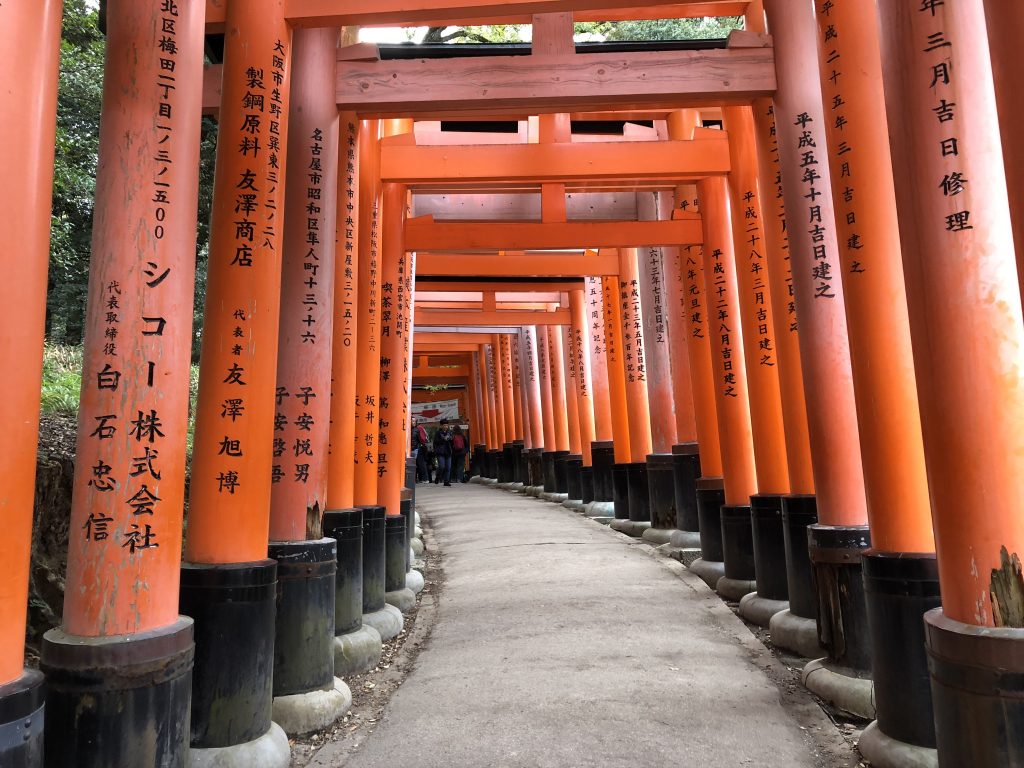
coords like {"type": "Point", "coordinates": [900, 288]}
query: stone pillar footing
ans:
{"type": "Point", "coordinates": [658, 536]}
{"type": "Point", "coordinates": [21, 721]}
{"type": "Point", "coordinates": [403, 599]}
{"type": "Point", "coordinates": [357, 651]}
{"type": "Point", "coordinates": [710, 571]}
{"type": "Point", "coordinates": [684, 539]}
{"type": "Point", "coordinates": [759, 610]}
{"type": "Point", "coordinates": [271, 750]}
{"type": "Point", "coordinates": [734, 590]}
{"type": "Point", "coordinates": [92, 681]}
{"type": "Point", "coordinates": [301, 713]}
{"type": "Point", "coordinates": [634, 528]}
{"type": "Point", "coordinates": [387, 621]}
{"type": "Point", "coordinates": [840, 687]}
{"type": "Point", "coordinates": [883, 751]}
{"type": "Point", "coordinates": [796, 634]}
{"type": "Point", "coordinates": [414, 581]}
{"type": "Point", "coordinates": [600, 509]}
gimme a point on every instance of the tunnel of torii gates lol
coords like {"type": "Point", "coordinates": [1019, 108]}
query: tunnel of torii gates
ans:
{"type": "Point", "coordinates": [753, 299]}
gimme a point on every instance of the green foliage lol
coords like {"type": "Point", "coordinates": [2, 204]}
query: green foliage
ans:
{"type": "Point", "coordinates": [706, 28]}
{"type": "Point", "coordinates": [74, 170]}
{"type": "Point", "coordinates": [62, 378]}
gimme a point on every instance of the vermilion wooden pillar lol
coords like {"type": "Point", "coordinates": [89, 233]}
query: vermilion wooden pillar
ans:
{"type": "Point", "coordinates": [569, 377]}
{"type": "Point", "coordinates": [487, 391]}
{"type": "Point", "coordinates": [393, 359]}
{"type": "Point", "coordinates": [813, 248]}
{"type": "Point", "coordinates": [615, 358]}
{"type": "Point", "coordinates": [368, 322]}
{"type": "Point", "coordinates": [735, 576]}
{"type": "Point", "coordinates": [602, 449]}
{"type": "Point", "coordinates": [660, 392]}
{"type": "Point", "coordinates": [232, 458]}
{"type": "Point", "coordinates": [29, 101]}
{"type": "Point", "coordinates": [574, 461]}
{"type": "Point", "coordinates": [299, 471]}
{"type": "Point", "coordinates": [883, 370]}
{"type": "Point", "coordinates": [344, 354]}
{"type": "Point", "coordinates": [755, 305]}
{"type": "Point", "coordinates": [636, 386]}
{"type": "Point", "coordinates": [547, 414]}
{"type": "Point", "coordinates": [584, 375]}
{"type": "Point", "coordinates": [127, 506]}
{"type": "Point", "coordinates": [651, 274]}
{"type": "Point", "coordinates": [521, 417]}
{"type": "Point", "coordinates": [795, 629]}
{"type": "Point", "coordinates": [532, 385]}
{"type": "Point", "coordinates": [559, 406]}
{"type": "Point", "coordinates": [121, 601]}
{"type": "Point", "coordinates": [31, 44]}
{"type": "Point", "coordinates": [307, 562]}
{"type": "Point", "coordinates": [780, 280]}
{"type": "Point", "coordinates": [968, 335]}
{"type": "Point", "coordinates": [507, 389]}
{"type": "Point", "coordinates": [500, 418]}
{"type": "Point", "coordinates": [824, 346]}
{"type": "Point", "coordinates": [762, 367]}
{"type": "Point", "coordinates": [594, 331]}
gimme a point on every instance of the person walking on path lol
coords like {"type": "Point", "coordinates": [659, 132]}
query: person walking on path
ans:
{"type": "Point", "coordinates": [443, 452]}
{"type": "Point", "coordinates": [458, 455]}
{"type": "Point", "coordinates": [421, 449]}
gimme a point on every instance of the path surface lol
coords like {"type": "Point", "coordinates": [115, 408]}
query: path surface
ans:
{"type": "Point", "coordinates": [559, 642]}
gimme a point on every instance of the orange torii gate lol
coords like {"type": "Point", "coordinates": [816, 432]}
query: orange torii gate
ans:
{"type": "Point", "coordinates": [891, 403]}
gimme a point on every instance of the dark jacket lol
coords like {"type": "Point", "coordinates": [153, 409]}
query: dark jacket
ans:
{"type": "Point", "coordinates": [443, 442]}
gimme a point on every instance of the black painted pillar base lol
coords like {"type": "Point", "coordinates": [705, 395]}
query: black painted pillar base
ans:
{"type": "Point", "coordinates": [21, 721]}
{"type": "Point", "coordinates": [303, 641]}
{"type": "Point", "coordinates": [799, 512]}
{"type": "Point", "coordinates": [835, 553]}
{"type": "Point", "coordinates": [977, 692]}
{"type": "Point", "coordinates": [307, 695]}
{"type": "Point", "coordinates": [573, 476]}
{"type": "Point", "coordinates": [603, 455]}
{"type": "Point", "coordinates": [685, 471]}
{"type": "Point", "coordinates": [535, 467]}
{"type": "Point", "coordinates": [505, 461]}
{"type": "Point", "coordinates": [769, 546]}
{"type": "Point", "coordinates": [374, 558]}
{"type": "Point", "coordinates": [518, 462]}
{"type": "Point", "coordinates": [620, 490]}
{"type": "Point", "coordinates": [493, 464]}
{"type": "Point", "coordinates": [478, 461]}
{"type": "Point", "coordinates": [406, 507]}
{"type": "Point", "coordinates": [586, 484]}
{"type": "Point", "coordinates": [120, 700]}
{"type": "Point", "coordinates": [548, 471]}
{"type": "Point", "coordinates": [345, 526]}
{"type": "Point", "coordinates": [710, 494]}
{"type": "Point", "coordinates": [233, 606]}
{"type": "Point", "coordinates": [737, 542]}
{"type": "Point", "coordinates": [661, 490]}
{"type": "Point", "coordinates": [900, 588]}
{"type": "Point", "coordinates": [561, 472]}
{"type": "Point", "coordinates": [639, 492]}
{"type": "Point", "coordinates": [396, 549]}
{"type": "Point", "coordinates": [357, 647]}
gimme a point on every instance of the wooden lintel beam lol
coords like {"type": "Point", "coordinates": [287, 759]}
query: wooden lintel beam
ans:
{"type": "Point", "coordinates": [333, 13]}
{"type": "Point", "coordinates": [529, 265]}
{"type": "Point", "coordinates": [428, 235]}
{"type": "Point", "coordinates": [644, 80]}
{"type": "Point", "coordinates": [470, 318]}
{"type": "Point", "coordinates": [687, 10]}
{"type": "Point", "coordinates": [441, 372]}
{"type": "Point", "coordinates": [557, 83]}
{"type": "Point", "coordinates": [425, 283]}
{"type": "Point", "coordinates": [442, 338]}
{"type": "Point", "coordinates": [533, 163]}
